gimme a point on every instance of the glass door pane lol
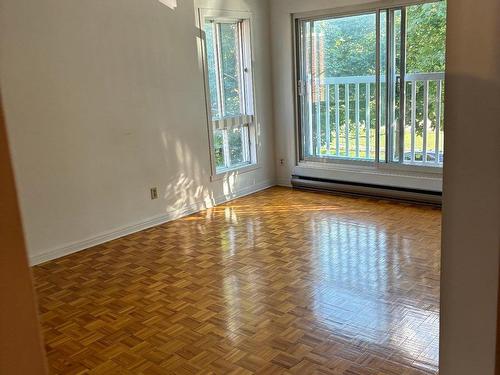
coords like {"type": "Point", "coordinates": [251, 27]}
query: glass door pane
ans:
{"type": "Point", "coordinates": [424, 84]}
{"type": "Point", "coordinates": [338, 87]}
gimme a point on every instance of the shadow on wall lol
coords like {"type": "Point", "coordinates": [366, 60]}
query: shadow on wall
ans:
{"type": "Point", "coordinates": [188, 188]}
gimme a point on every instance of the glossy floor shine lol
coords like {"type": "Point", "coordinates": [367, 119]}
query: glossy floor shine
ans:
{"type": "Point", "coordinates": [280, 282]}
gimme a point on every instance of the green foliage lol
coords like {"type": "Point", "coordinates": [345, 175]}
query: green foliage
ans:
{"type": "Point", "coordinates": [230, 68]}
{"type": "Point", "coordinates": [349, 42]}
{"type": "Point", "coordinates": [219, 148]}
{"type": "Point", "coordinates": [426, 38]}
{"type": "Point", "coordinates": [228, 62]}
{"type": "Point", "coordinates": [348, 45]}
{"type": "Point", "coordinates": [425, 53]}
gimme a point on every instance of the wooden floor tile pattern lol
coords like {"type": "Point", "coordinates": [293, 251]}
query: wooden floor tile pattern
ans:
{"type": "Point", "coordinates": [279, 282]}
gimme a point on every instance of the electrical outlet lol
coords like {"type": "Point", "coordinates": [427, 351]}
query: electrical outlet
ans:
{"type": "Point", "coordinates": [282, 161]}
{"type": "Point", "coordinates": [154, 193]}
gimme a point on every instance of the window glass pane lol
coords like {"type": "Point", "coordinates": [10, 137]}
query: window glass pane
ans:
{"type": "Point", "coordinates": [307, 137]}
{"type": "Point", "coordinates": [426, 38]}
{"type": "Point", "coordinates": [338, 69]}
{"type": "Point", "coordinates": [232, 148]}
{"type": "Point", "coordinates": [212, 68]}
{"type": "Point", "coordinates": [219, 149]}
{"type": "Point", "coordinates": [230, 61]}
{"type": "Point", "coordinates": [424, 82]}
{"type": "Point", "coordinates": [395, 71]}
{"type": "Point", "coordinates": [237, 146]}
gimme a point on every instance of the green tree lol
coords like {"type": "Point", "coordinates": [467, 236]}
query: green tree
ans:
{"type": "Point", "coordinates": [426, 38]}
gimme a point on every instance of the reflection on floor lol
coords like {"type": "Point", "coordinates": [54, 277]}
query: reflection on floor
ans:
{"type": "Point", "coordinates": [280, 282]}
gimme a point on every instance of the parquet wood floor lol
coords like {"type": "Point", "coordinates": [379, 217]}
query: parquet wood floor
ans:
{"type": "Point", "coordinates": [279, 282]}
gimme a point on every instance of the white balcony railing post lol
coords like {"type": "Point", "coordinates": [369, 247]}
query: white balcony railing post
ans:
{"type": "Point", "coordinates": [327, 119]}
{"type": "Point", "coordinates": [438, 121]}
{"type": "Point", "coordinates": [356, 117]}
{"type": "Point", "coordinates": [367, 119]}
{"type": "Point", "coordinates": [318, 117]}
{"type": "Point", "coordinates": [413, 119]}
{"type": "Point", "coordinates": [337, 120]}
{"type": "Point", "coordinates": [426, 121]}
{"type": "Point", "coordinates": [347, 119]}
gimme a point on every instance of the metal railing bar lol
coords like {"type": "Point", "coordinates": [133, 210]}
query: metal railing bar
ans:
{"type": "Point", "coordinates": [367, 118]}
{"type": "Point", "coordinates": [356, 116]}
{"type": "Point", "coordinates": [434, 76]}
{"type": "Point", "coordinates": [327, 119]}
{"type": "Point", "coordinates": [413, 117]}
{"type": "Point", "coordinates": [318, 120]}
{"type": "Point", "coordinates": [372, 79]}
{"type": "Point", "coordinates": [347, 118]}
{"type": "Point", "coordinates": [438, 120]}
{"type": "Point", "coordinates": [426, 115]}
{"type": "Point", "coordinates": [337, 120]}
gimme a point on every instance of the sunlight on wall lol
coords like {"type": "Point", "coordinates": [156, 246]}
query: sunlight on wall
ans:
{"type": "Point", "coordinates": [228, 184]}
{"type": "Point", "coordinates": [186, 187]}
{"type": "Point", "coordinates": [172, 4]}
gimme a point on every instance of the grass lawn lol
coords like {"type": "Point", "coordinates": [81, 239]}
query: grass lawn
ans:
{"type": "Point", "coordinates": [431, 142]}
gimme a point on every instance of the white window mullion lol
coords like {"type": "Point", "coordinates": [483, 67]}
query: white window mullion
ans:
{"type": "Point", "coordinates": [402, 88]}
{"type": "Point", "coordinates": [247, 63]}
{"type": "Point", "coordinates": [377, 86]}
{"type": "Point", "coordinates": [245, 141]}
{"type": "Point", "coordinates": [219, 70]}
{"type": "Point", "coordinates": [311, 89]}
{"type": "Point", "coordinates": [241, 67]}
{"type": "Point", "coordinates": [225, 145]}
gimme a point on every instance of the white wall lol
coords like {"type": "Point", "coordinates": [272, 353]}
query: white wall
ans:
{"type": "Point", "coordinates": [283, 86]}
{"type": "Point", "coordinates": [105, 99]}
{"type": "Point", "coordinates": [471, 194]}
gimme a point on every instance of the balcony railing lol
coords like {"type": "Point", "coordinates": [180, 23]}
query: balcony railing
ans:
{"type": "Point", "coordinates": [343, 128]}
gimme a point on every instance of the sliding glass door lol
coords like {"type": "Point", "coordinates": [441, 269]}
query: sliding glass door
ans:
{"type": "Point", "coordinates": [370, 85]}
{"type": "Point", "coordinates": [338, 86]}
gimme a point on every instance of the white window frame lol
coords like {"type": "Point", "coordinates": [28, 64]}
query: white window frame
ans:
{"type": "Point", "coordinates": [249, 115]}
{"type": "Point", "coordinates": [382, 167]}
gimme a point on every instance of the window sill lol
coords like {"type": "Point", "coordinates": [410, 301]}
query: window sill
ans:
{"type": "Point", "coordinates": [235, 171]}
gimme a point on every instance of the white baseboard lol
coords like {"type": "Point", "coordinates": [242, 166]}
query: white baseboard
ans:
{"type": "Point", "coordinates": [286, 183]}
{"type": "Point", "coordinates": [145, 224]}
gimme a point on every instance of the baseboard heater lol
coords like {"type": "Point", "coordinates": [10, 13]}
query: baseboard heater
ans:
{"type": "Point", "coordinates": [377, 191]}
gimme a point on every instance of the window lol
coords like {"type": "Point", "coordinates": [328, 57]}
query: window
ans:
{"type": "Point", "coordinates": [230, 92]}
{"type": "Point", "coordinates": [371, 85]}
